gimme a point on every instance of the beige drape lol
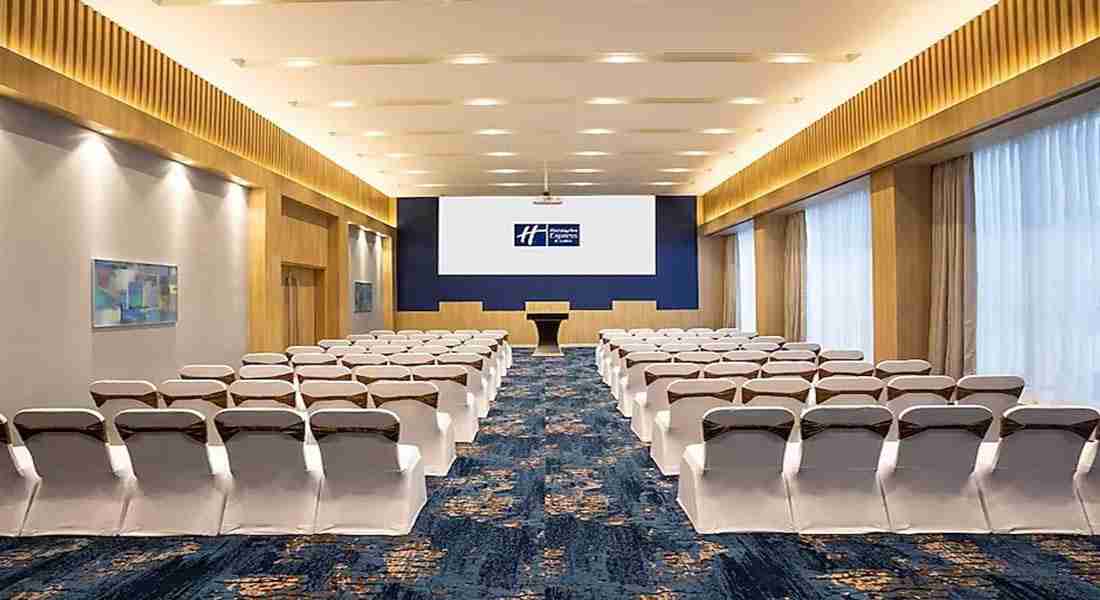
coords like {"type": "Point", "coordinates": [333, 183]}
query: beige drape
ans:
{"type": "Point", "coordinates": [730, 306]}
{"type": "Point", "coordinates": [794, 288]}
{"type": "Point", "coordinates": [953, 321]}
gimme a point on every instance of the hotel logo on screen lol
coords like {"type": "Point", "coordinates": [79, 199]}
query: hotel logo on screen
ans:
{"type": "Point", "coordinates": [546, 234]}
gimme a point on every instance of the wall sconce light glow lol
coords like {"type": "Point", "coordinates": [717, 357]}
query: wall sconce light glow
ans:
{"type": "Point", "coordinates": [500, 154]}
{"type": "Point", "coordinates": [511, 184]}
{"type": "Point", "coordinates": [236, 2]}
{"type": "Point", "coordinates": [431, 185]}
{"type": "Point", "coordinates": [580, 183]}
{"type": "Point", "coordinates": [605, 101]}
{"type": "Point", "coordinates": [718, 131]}
{"type": "Point", "coordinates": [470, 59]}
{"type": "Point", "coordinates": [506, 171]}
{"type": "Point", "coordinates": [584, 170]}
{"type": "Point", "coordinates": [417, 172]}
{"type": "Point", "coordinates": [746, 100]}
{"type": "Point", "coordinates": [597, 131]}
{"type": "Point", "coordinates": [374, 134]}
{"type": "Point", "coordinates": [493, 132]}
{"type": "Point", "coordinates": [300, 63]}
{"type": "Point", "coordinates": [398, 155]}
{"type": "Point", "coordinates": [677, 170]}
{"type": "Point", "coordinates": [342, 104]}
{"type": "Point", "coordinates": [791, 58]}
{"type": "Point", "coordinates": [484, 102]}
{"type": "Point", "coordinates": [591, 153]}
{"type": "Point", "coordinates": [694, 153]}
{"type": "Point", "coordinates": [663, 183]}
{"type": "Point", "coordinates": [622, 58]}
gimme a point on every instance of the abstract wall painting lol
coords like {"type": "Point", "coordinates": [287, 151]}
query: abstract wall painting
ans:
{"type": "Point", "coordinates": [364, 296]}
{"type": "Point", "coordinates": [128, 294]}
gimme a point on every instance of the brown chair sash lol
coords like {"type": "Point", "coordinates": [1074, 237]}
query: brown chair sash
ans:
{"type": "Point", "coordinates": [494, 346]}
{"type": "Point", "coordinates": [362, 400]}
{"type": "Point", "coordinates": [226, 379]}
{"type": "Point", "coordinates": [881, 374]}
{"type": "Point", "coordinates": [760, 361]}
{"type": "Point", "coordinates": [288, 377]}
{"type": "Point", "coordinates": [725, 396]}
{"type": "Point", "coordinates": [964, 392]}
{"type": "Point", "coordinates": [391, 433]}
{"type": "Point", "coordinates": [908, 430]}
{"type": "Point", "coordinates": [652, 377]}
{"type": "Point", "coordinates": [5, 438]}
{"type": "Point", "coordinates": [824, 395]}
{"type": "Point", "coordinates": [481, 353]}
{"type": "Point", "coordinates": [247, 363]}
{"type": "Point", "coordinates": [149, 399]}
{"type": "Point", "coordinates": [286, 399]}
{"type": "Point", "coordinates": [748, 395]}
{"type": "Point", "coordinates": [95, 430]}
{"type": "Point", "coordinates": [812, 428]}
{"type": "Point", "coordinates": [431, 399]}
{"type": "Point", "coordinates": [219, 398]}
{"type": "Point", "coordinates": [699, 361]}
{"type": "Point", "coordinates": [460, 379]}
{"type": "Point", "coordinates": [893, 393]}
{"type": "Point", "coordinates": [196, 432]}
{"type": "Point", "coordinates": [342, 377]}
{"type": "Point", "coordinates": [296, 431]}
{"type": "Point", "coordinates": [808, 376]}
{"type": "Point", "coordinates": [478, 364]}
{"type": "Point", "coordinates": [369, 380]}
{"type": "Point", "coordinates": [868, 372]}
{"type": "Point", "coordinates": [709, 375]}
{"type": "Point", "coordinates": [645, 361]}
{"type": "Point", "coordinates": [1084, 429]}
{"type": "Point", "coordinates": [713, 430]}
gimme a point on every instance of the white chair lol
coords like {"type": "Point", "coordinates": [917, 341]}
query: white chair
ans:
{"type": "Point", "coordinates": [733, 481]}
{"type": "Point", "coordinates": [454, 399]}
{"type": "Point", "coordinates": [430, 349]}
{"type": "Point", "coordinates": [207, 396]}
{"type": "Point", "coordinates": [633, 386]}
{"type": "Point", "coordinates": [222, 373]}
{"type": "Point", "coordinates": [889, 369]}
{"type": "Point", "coordinates": [450, 342]}
{"type": "Point", "coordinates": [610, 356]}
{"type": "Point", "coordinates": [459, 335]}
{"type": "Point", "coordinates": [352, 361]}
{"type": "Point", "coordinates": [272, 393]}
{"type": "Point", "coordinates": [848, 390]}
{"type": "Point", "coordinates": [719, 347]}
{"type": "Point", "coordinates": [388, 350]}
{"type": "Point", "coordinates": [930, 485]}
{"type": "Point", "coordinates": [906, 391]}
{"type": "Point", "coordinates": [657, 379]}
{"type": "Point", "coordinates": [422, 338]}
{"type": "Point", "coordinates": [640, 331]}
{"type": "Point", "coordinates": [409, 332]}
{"type": "Point", "coordinates": [670, 331]}
{"type": "Point", "coordinates": [828, 355]}
{"type": "Point", "coordinates": [739, 373]}
{"type": "Point", "coordinates": [438, 332]}
{"type": "Point", "coordinates": [323, 373]}
{"type": "Point", "coordinates": [411, 359]}
{"type": "Point", "coordinates": [499, 363]}
{"type": "Point", "coordinates": [770, 339]}
{"type": "Point", "coordinates": [367, 375]}
{"type": "Point", "coordinates": [16, 487]}
{"type": "Point", "coordinates": [808, 346]}
{"type": "Point", "coordinates": [279, 372]}
{"type": "Point", "coordinates": [698, 357]}
{"type": "Point", "coordinates": [786, 355]}
{"type": "Point", "coordinates": [700, 330]}
{"type": "Point", "coordinates": [998, 393]}
{"type": "Point", "coordinates": [372, 485]}
{"type": "Point", "coordinates": [618, 366]}
{"type": "Point", "coordinates": [853, 368]}
{"type": "Point", "coordinates": [673, 347]}
{"type": "Point", "coordinates": [791, 393]}
{"type": "Point", "coordinates": [476, 383]}
{"type": "Point", "coordinates": [794, 368]}
{"type": "Point", "coordinates": [753, 356]}
{"type": "Point", "coordinates": [416, 404]}
{"type": "Point", "coordinates": [175, 489]}
{"type": "Point", "coordinates": [378, 332]}
{"type": "Point", "coordinates": [501, 336]}
{"type": "Point", "coordinates": [603, 339]}
{"type": "Point", "coordinates": [728, 331]}
{"type": "Point", "coordinates": [341, 351]}
{"type": "Point", "coordinates": [470, 332]}
{"type": "Point", "coordinates": [264, 358]}
{"type": "Point", "coordinates": [768, 347]}
{"type": "Point", "coordinates": [320, 394]}
{"type": "Point", "coordinates": [271, 490]}
{"type": "Point", "coordinates": [836, 487]}
{"type": "Point", "coordinates": [80, 491]}
{"type": "Point", "coordinates": [740, 341]}
{"type": "Point", "coordinates": [488, 367]}
{"type": "Point", "coordinates": [113, 395]}
{"type": "Point", "coordinates": [1030, 487]}
{"type": "Point", "coordinates": [301, 360]}
{"type": "Point", "coordinates": [326, 344]}
{"type": "Point", "coordinates": [682, 424]}
{"type": "Point", "coordinates": [360, 337]}
{"type": "Point", "coordinates": [293, 351]}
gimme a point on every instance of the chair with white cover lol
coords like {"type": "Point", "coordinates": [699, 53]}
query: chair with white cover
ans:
{"type": "Point", "coordinates": [16, 487]}
{"type": "Point", "coordinates": [889, 369]}
{"type": "Point", "coordinates": [439, 332]}
{"type": "Point", "coordinates": [80, 491]}
{"type": "Point", "coordinates": [499, 363]}
{"type": "Point", "coordinates": [466, 332]}
{"type": "Point", "coordinates": [222, 373]}
{"type": "Point", "coordinates": [326, 344]}
{"type": "Point", "coordinates": [476, 383]}
{"type": "Point", "coordinates": [279, 372]}
{"type": "Point", "coordinates": [1030, 487]}
{"type": "Point", "coordinates": [670, 331]}
{"type": "Point", "coordinates": [293, 351]}
{"type": "Point", "coordinates": [793, 368]}
{"type": "Point", "coordinates": [753, 356]}
{"type": "Point", "coordinates": [459, 335]}
{"type": "Point", "coordinates": [323, 373]}
{"type": "Point", "coordinates": [378, 332]}
{"type": "Point", "coordinates": [618, 366]}
{"type": "Point", "coordinates": [848, 390]}
{"type": "Point", "coordinates": [768, 347]}
{"type": "Point", "coordinates": [998, 393]}
{"type": "Point", "coordinates": [373, 485]}
{"type": "Point", "coordinates": [697, 357]}
{"type": "Point", "coordinates": [175, 489]}
{"type": "Point", "coordinates": [271, 489]}
{"type": "Point", "coordinates": [930, 485]}
{"type": "Point", "coordinates": [449, 342]}
{"type": "Point", "coordinates": [634, 385]}
{"type": "Point", "coordinates": [270, 393]}
{"type": "Point", "coordinates": [430, 349]}
{"type": "Point", "coordinates": [603, 339]}
{"type": "Point", "coordinates": [264, 358]}
{"type": "Point", "coordinates": [739, 373]}
{"type": "Point", "coordinates": [423, 425]}
{"type": "Point", "coordinates": [733, 481]}
{"type": "Point", "coordinates": [700, 330]}
{"type": "Point", "coordinates": [301, 360]}
{"type": "Point", "coordinates": [785, 392]}
{"type": "Point", "coordinates": [682, 424]}
{"type": "Point", "coordinates": [501, 336]}
{"type": "Point", "coordinates": [388, 350]}
{"type": "Point", "coordinates": [836, 487]}
{"type": "Point", "coordinates": [785, 355]}
{"type": "Point", "coordinates": [341, 351]}
{"type": "Point", "coordinates": [454, 399]}
{"type": "Point", "coordinates": [391, 338]}
{"type": "Point", "coordinates": [719, 347]}
{"type": "Point", "coordinates": [828, 355]}
{"type": "Point", "coordinates": [853, 368]}
{"type": "Point", "coordinates": [360, 337]}
{"type": "Point", "coordinates": [740, 341]}
{"type": "Point", "coordinates": [728, 331]}
{"type": "Point", "coordinates": [422, 338]}
{"type": "Point", "coordinates": [640, 331]}
{"type": "Point", "coordinates": [352, 361]}
{"type": "Point", "coordinates": [809, 346]}
{"type": "Point", "coordinates": [321, 394]}
{"type": "Point", "coordinates": [488, 368]}
{"type": "Point", "coordinates": [906, 391]}
{"type": "Point", "coordinates": [770, 339]}
{"type": "Point", "coordinates": [411, 359]}
{"type": "Point", "coordinates": [408, 332]}
{"type": "Point", "coordinates": [611, 355]}
{"type": "Point", "coordinates": [367, 375]}
{"type": "Point", "coordinates": [113, 395]}
{"type": "Point", "coordinates": [657, 379]}
{"type": "Point", "coordinates": [207, 396]}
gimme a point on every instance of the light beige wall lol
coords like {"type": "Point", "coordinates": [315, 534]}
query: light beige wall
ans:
{"type": "Point", "coordinates": [365, 264]}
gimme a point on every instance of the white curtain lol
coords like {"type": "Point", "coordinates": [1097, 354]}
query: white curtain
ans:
{"type": "Point", "coordinates": [1037, 212]}
{"type": "Point", "coordinates": [839, 312]}
{"type": "Point", "coordinates": [746, 277]}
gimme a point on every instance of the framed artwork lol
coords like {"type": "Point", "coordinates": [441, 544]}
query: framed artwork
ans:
{"type": "Point", "coordinates": [364, 296]}
{"type": "Point", "coordinates": [129, 294]}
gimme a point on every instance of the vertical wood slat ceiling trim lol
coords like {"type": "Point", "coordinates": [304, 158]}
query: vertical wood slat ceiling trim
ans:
{"type": "Point", "coordinates": [1008, 39]}
{"type": "Point", "coordinates": [71, 38]}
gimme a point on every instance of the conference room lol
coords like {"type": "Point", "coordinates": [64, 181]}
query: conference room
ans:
{"type": "Point", "coordinates": [494, 299]}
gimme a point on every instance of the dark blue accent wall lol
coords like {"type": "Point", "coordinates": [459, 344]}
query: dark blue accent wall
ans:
{"type": "Point", "coordinates": [420, 287]}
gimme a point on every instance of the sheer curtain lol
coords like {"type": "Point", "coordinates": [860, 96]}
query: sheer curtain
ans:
{"type": "Point", "coordinates": [839, 310]}
{"type": "Point", "coordinates": [746, 277]}
{"type": "Point", "coordinates": [729, 318]}
{"type": "Point", "coordinates": [1037, 214]}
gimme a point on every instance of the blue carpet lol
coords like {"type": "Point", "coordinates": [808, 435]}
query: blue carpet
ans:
{"type": "Point", "coordinates": [557, 499]}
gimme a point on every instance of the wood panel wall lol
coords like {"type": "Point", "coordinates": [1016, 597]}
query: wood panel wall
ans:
{"type": "Point", "coordinates": [880, 124]}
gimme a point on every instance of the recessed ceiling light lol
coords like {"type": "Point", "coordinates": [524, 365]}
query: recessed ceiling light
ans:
{"type": "Point", "coordinates": [663, 183]}
{"type": "Point", "coordinates": [397, 155]}
{"type": "Point", "coordinates": [580, 183]}
{"type": "Point", "coordinates": [500, 154]}
{"type": "Point", "coordinates": [511, 184]}
{"type": "Point", "coordinates": [470, 59]}
{"type": "Point", "coordinates": [622, 58]}
{"type": "Point", "coordinates": [746, 100]}
{"type": "Point", "coordinates": [791, 58]}
{"type": "Point", "coordinates": [694, 153]}
{"type": "Point", "coordinates": [493, 132]}
{"type": "Point", "coordinates": [591, 153]}
{"type": "Point", "coordinates": [417, 172]}
{"type": "Point", "coordinates": [506, 171]}
{"type": "Point", "coordinates": [300, 63]}
{"type": "Point", "coordinates": [718, 131]}
{"type": "Point", "coordinates": [342, 104]}
{"type": "Point", "coordinates": [584, 170]}
{"type": "Point", "coordinates": [374, 133]}
{"type": "Point", "coordinates": [597, 131]}
{"type": "Point", "coordinates": [484, 102]}
{"type": "Point", "coordinates": [431, 185]}
{"type": "Point", "coordinates": [677, 170]}
{"type": "Point", "coordinates": [605, 101]}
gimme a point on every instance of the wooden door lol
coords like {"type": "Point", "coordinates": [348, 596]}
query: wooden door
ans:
{"type": "Point", "coordinates": [301, 301]}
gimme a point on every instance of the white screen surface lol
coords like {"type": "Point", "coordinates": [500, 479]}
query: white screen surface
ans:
{"type": "Point", "coordinates": [478, 236]}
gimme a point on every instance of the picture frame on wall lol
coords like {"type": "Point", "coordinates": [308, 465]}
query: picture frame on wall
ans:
{"type": "Point", "coordinates": [134, 294]}
{"type": "Point", "coordinates": [364, 297]}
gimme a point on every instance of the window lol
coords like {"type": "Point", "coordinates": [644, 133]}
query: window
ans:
{"type": "Point", "coordinates": [746, 277]}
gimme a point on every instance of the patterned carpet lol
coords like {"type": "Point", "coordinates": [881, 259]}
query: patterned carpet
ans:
{"type": "Point", "coordinates": [557, 499]}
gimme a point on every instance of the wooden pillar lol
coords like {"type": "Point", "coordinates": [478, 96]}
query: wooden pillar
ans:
{"type": "Point", "coordinates": [901, 240]}
{"type": "Point", "coordinates": [265, 298]}
{"type": "Point", "coordinates": [389, 283]}
{"type": "Point", "coordinates": [337, 281]}
{"type": "Point", "coordinates": [770, 240]}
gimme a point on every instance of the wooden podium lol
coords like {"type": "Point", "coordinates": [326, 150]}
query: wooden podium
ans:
{"type": "Point", "coordinates": [548, 317]}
